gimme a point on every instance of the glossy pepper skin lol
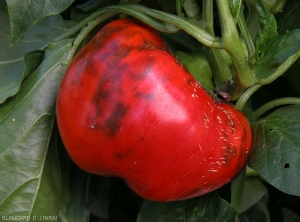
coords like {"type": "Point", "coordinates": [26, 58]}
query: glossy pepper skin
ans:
{"type": "Point", "coordinates": [126, 107]}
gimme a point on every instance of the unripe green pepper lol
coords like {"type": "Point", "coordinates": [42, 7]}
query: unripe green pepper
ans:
{"type": "Point", "coordinates": [198, 65]}
{"type": "Point", "coordinates": [275, 6]}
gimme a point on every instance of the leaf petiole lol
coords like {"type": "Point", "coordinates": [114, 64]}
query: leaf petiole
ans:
{"type": "Point", "coordinates": [245, 96]}
{"type": "Point", "coordinates": [273, 104]}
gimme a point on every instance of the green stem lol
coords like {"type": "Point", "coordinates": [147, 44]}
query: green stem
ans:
{"type": "Point", "coordinates": [191, 27]}
{"type": "Point", "coordinates": [89, 26]}
{"type": "Point", "coordinates": [208, 15]}
{"type": "Point", "coordinates": [159, 20]}
{"type": "Point", "coordinates": [245, 96]}
{"type": "Point", "coordinates": [247, 37]}
{"type": "Point", "coordinates": [221, 72]}
{"type": "Point", "coordinates": [76, 28]}
{"type": "Point", "coordinates": [272, 104]}
{"type": "Point", "coordinates": [146, 15]}
{"type": "Point", "coordinates": [179, 4]}
{"type": "Point", "coordinates": [237, 186]}
{"type": "Point", "coordinates": [231, 43]}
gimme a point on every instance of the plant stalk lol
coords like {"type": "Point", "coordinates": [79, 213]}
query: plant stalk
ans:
{"type": "Point", "coordinates": [231, 43]}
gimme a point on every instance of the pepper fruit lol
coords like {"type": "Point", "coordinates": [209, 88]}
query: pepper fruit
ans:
{"type": "Point", "coordinates": [127, 108]}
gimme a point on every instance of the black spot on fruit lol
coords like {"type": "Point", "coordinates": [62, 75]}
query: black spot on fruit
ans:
{"type": "Point", "coordinates": [230, 153]}
{"type": "Point", "coordinates": [120, 156]}
{"type": "Point", "coordinates": [189, 81]}
{"type": "Point", "coordinates": [141, 95]}
{"type": "Point", "coordinates": [113, 124]}
{"type": "Point", "coordinates": [141, 138]}
{"type": "Point", "coordinates": [140, 72]}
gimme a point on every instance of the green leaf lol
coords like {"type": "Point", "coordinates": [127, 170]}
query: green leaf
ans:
{"type": "Point", "coordinates": [12, 68]}
{"type": "Point", "coordinates": [77, 209]}
{"type": "Point", "coordinates": [278, 55]}
{"type": "Point", "coordinates": [258, 212]}
{"type": "Point", "coordinates": [205, 208]}
{"type": "Point", "coordinates": [289, 216]}
{"type": "Point", "coordinates": [254, 190]}
{"type": "Point", "coordinates": [53, 191]}
{"type": "Point", "coordinates": [268, 26]}
{"type": "Point", "coordinates": [288, 18]}
{"type": "Point", "coordinates": [276, 149]}
{"type": "Point", "coordinates": [32, 183]}
{"type": "Point", "coordinates": [236, 6]}
{"type": "Point", "coordinates": [99, 198]}
{"type": "Point", "coordinates": [25, 13]}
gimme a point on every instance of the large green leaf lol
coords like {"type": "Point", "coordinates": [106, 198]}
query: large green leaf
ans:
{"type": "Point", "coordinates": [276, 149]}
{"type": "Point", "coordinates": [205, 208]}
{"type": "Point", "coordinates": [32, 178]}
{"type": "Point", "coordinates": [12, 68]}
{"type": "Point", "coordinates": [278, 55]}
{"type": "Point", "coordinates": [25, 13]}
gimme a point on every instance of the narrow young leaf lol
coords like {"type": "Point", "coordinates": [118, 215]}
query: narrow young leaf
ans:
{"type": "Point", "coordinates": [236, 7]}
{"type": "Point", "coordinates": [268, 26]}
{"type": "Point", "coordinates": [276, 149]}
{"type": "Point", "coordinates": [205, 208]}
